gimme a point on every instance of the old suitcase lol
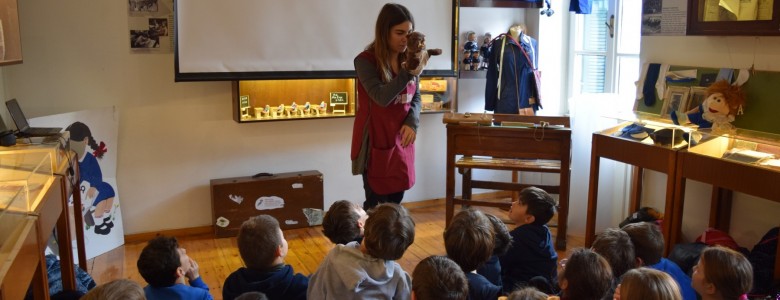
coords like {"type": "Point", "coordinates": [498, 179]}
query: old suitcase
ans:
{"type": "Point", "coordinates": [295, 199]}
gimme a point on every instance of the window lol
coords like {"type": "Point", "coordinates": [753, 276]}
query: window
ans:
{"type": "Point", "coordinates": [606, 60]}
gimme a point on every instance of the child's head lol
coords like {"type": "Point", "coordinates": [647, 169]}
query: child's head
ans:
{"type": "Point", "coordinates": [648, 284]}
{"type": "Point", "coordinates": [389, 231]}
{"type": "Point", "coordinates": [585, 275]}
{"type": "Point", "coordinates": [438, 277]}
{"type": "Point", "coordinates": [469, 239]}
{"type": "Point", "coordinates": [162, 262]}
{"type": "Point", "coordinates": [527, 293]}
{"type": "Point", "coordinates": [252, 296]}
{"type": "Point", "coordinates": [648, 242]}
{"type": "Point", "coordinates": [117, 289]}
{"type": "Point", "coordinates": [722, 272]}
{"type": "Point", "coordinates": [344, 222]}
{"type": "Point", "coordinates": [615, 245]}
{"type": "Point", "coordinates": [261, 243]}
{"type": "Point", "coordinates": [535, 206]}
{"type": "Point", "coordinates": [503, 240]}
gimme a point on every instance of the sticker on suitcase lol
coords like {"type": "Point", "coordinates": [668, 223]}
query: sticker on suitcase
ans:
{"type": "Point", "coordinates": [269, 202]}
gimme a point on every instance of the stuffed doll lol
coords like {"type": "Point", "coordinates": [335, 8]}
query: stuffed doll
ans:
{"type": "Point", "coordinates": [724, 101]}
{"type": "Point", "coordinates": [416, 54]}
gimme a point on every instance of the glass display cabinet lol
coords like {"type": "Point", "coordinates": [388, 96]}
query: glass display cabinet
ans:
{"type": "Point", "coordinates": [281, 100]}
{"type": "Point", "coordinates": [645, 141]}
{"type": "Point", "coordinates": [746, 162]}
{"type": "Point", "coordinates": [720, 17]}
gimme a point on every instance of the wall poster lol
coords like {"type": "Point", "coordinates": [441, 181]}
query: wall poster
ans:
{"type": "Point", "coordinates": [150, 24]}
{"type": "Point", "coordinates": [664, 17]}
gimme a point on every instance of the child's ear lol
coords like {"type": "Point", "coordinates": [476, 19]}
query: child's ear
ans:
{"type": "Point", "coordinates": [529, 219]}
{"type": "Point", "coordinates": [180, 272]}
{"type": "Point", "coordinates": [710, 289]}
{"type": "Point", "coordinates": [563, 284]}
{"type": "Point", "coordinates": [278, 251]}
{"type": "Point", "coordinates": [639, 262]}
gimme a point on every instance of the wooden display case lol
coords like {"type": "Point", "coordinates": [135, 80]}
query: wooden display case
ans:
{"type": "Point", "coordinates": [748, 162]}
{"type": "Point", "coordinates": [642, 153]}
{"type": "Point", "coordinates": [302, 99]}
{"type": "Point", "coordinates": [707, 17]}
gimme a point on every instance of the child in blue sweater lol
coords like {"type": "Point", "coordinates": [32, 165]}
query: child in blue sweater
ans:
{"type": "Point", "coordinates": [164, 265]}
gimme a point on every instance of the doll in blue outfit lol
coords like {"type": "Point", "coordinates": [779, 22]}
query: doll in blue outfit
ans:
{"type": "Point", "coordinates": [96, 195]}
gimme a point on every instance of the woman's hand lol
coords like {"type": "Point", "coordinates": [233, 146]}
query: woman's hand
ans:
{"type": "Point", "coordinates": [407, 135]}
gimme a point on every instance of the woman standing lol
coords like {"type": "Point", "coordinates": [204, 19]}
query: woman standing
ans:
{"type": "Point", "coordinates": [388, 111]}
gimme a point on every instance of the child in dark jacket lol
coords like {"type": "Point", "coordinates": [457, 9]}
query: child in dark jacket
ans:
{"type": "Point", "coordinates": [469, 243]}
{"type": "Point", "coordinates": [532, 255]}
{"type": "Point", "coordinates": [492, 268]}
{"type": "Point", "coordinates": [263, 248]}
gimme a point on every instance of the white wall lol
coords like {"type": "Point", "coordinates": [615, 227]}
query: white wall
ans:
{"type": "Point", "coordinates": [174, 137]}
{"type": "Point", "coordinates": [751, 217]}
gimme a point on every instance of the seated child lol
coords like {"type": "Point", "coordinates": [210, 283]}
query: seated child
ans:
{"type": "Point", "coordinates": [722, 273]}
{"type": "Point", "coordinates": [263, 248]}
{"type": "Point", "coordinates": [647, 284]}
{"type": "Point", "coordinates": [469, 243]}
{"type": "Point", "coordinates": [344, 222]}
{"type": "Point", "coordinates": [125, 289]}
{"type": "Point", "coordinates": [164, 265]}
{"type": "Point", "coordinates": [492, 268]}
{"type": "Point", "coordinates": [532, 253]}
{"type": "Point", "coordinates": [585, 275]}
{"type": "Point", "coordinates": [649, 248]}
{"type": "Point", "coordinates": [252, 296]}
{"type": "Point", "coordinates": [368, 270]}
{"type": "Point", "coordinates": [439, 278]}
{"type": "Point", "coordinates": [527, 293]}
{"type": "Point", "coordinates": [615, 246]}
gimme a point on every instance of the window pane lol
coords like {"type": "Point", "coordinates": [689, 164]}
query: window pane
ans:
{"type": "Point", "coordinates": [593, 73]}
{"type": "Point", "coordinates": [629, 29]}
{"type": "Point", "coordinates": [628, 74]}
{"type": "Point", "coordinates": [596, 32]}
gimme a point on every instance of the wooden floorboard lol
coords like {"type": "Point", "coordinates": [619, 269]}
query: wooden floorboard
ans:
{"type": "Point", "coordinates": [218, 257]}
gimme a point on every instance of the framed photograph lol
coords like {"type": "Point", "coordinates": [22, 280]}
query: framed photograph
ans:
{"type": "Point", "coordinates": [698, 94]}
{"type": "Point", "coordinates": [10, 38]}
{"type": "Point", "coordinates": [676, 99]}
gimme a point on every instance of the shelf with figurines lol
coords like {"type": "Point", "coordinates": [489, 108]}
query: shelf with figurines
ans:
{"type": "Point", "coordinates": [301, 99]}
{"type": "Point", "coordinates": [475, 57]}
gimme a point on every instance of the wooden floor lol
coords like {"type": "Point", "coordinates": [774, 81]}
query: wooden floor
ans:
{"type": "Point", "coordinates": [219, 257]}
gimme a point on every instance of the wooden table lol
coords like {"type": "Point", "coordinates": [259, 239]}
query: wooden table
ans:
{"type": "Point", "coordinates": [513, 142]}
{"type": "Point", "coordinates": [642, 155]}
{"type": "Point", "coordinates": [704, 163]}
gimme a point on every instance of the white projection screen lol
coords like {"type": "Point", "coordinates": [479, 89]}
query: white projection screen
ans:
{"type": "Point", "coordinates": [283, 39]}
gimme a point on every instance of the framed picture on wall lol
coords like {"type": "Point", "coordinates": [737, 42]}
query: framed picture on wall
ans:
{"type": "Point", "coordinates": [10, 38]}
{"type": "Point", "coordinates": [676, 99]}
{"type": "Point", "coordinates": [698, 94]}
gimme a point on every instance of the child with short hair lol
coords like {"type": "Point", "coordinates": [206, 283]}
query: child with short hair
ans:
{"type": "Point", "coordinates": [344, 222]}
{"type": "Point", "coordinates": [503, 241]}
{"type": "Point", "coordinates": [647, 284]}
{"type": "Point", "coordinates": [469, 243]}
{"type": "Point", "coordinates": [125, 289]}
{"type": "Point", "coordinates": [263, 248]}
{"type": "Point", "coordinates": [649, 248]}
{"type": "Point", "coordinates": [439, 278]}
{"type": "Point", "coordinates": [616, 247]}
{"type": "Point", "coordinates": [164, 265]}
{"type": "Point", "coordinates": [368, 270]}
{"type": "Point", "coordinates": [722, 273]}
{"type": "Point", "coordinates": [527, 293]}
{"type": "Point", "coordinates": [532, 254]}
{"type": "Point", "coordinates": [585, 275]}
